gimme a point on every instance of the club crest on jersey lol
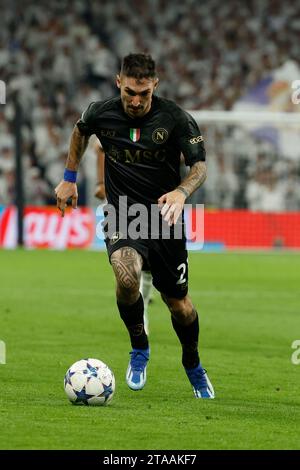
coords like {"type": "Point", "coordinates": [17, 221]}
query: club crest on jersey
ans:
{"type": "Point", "coordinates": [160, 135]}
{"type": "Point", "coordinates": [135, 134]}
{"type": "Point", "coordinates": [115, 237]}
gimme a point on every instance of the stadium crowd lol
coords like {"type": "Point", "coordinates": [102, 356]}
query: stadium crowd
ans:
{"type": "Point", "coordinates": [59, 56]}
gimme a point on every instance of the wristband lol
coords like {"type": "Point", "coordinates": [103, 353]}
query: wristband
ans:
{"type": "Point", "coordinates": [70, 175]}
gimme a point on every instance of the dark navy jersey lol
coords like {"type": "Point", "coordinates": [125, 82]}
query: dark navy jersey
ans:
{"type": "Point", "coordinates": [142, 155]}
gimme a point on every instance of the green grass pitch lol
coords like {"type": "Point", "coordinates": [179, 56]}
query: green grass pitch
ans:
{"type": "Point", "coordinates": [59, 307]}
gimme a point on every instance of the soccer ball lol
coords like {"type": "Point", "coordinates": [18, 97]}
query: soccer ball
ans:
{"type": "Point", "coordinates": [89, 382]}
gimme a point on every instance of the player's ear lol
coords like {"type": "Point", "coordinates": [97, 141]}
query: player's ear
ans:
{"type": "Point", "coordinates": [118, 81]}
{"type": "Point", "coordinates": [156, 81]}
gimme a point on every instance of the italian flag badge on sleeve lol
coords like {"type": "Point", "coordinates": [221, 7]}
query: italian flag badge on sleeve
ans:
{"type": "Point", "coordinates": [135, 134]}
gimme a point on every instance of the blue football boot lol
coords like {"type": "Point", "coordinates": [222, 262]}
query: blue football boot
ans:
{"type": "Point", "coordinates": [136, 372]}
{"type": "Point", "coordinates": [201, 384]}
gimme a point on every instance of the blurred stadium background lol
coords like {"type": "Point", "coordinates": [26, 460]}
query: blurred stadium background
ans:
{"type": "Point", "coordinates": [234, 80]}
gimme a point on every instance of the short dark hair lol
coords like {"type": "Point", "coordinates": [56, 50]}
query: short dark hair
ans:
{"type": "Point", "coordinates": [138, 66]}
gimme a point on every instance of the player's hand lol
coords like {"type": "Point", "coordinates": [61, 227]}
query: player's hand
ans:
{"type": "Point", "coordinates": [100, 191]}
{"type": "Point", "coordinates": [65, 191]}
{"type": "Point", "coordinates": [171, 205]}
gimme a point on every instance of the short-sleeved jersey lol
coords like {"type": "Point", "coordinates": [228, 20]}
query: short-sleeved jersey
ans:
{"type": "Point", "coordinates": [142, 155]}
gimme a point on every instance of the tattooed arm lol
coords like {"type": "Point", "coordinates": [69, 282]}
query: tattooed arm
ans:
{"type": "Point", "coordinates": [172, 203]}
{"type": "Point", "coordinates": [66, 190]}
{"type": "Point", "coordinates": [194, 179]}
{"type": "Point", "coordinates": [78, 145]}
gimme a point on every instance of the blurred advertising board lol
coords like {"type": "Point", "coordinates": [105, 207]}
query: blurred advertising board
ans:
{"type": "Point", "coordinates": [81, 228]}
{"type": "Point", "coordinates": [45, 228]}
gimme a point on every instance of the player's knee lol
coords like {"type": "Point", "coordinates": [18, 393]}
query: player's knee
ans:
{"type": "Point", "coordinates": [181, 309]}
{"type": "Point", "coordinates": [127, 290]}
{"type": "Point", "coordinates": [128, 283]}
